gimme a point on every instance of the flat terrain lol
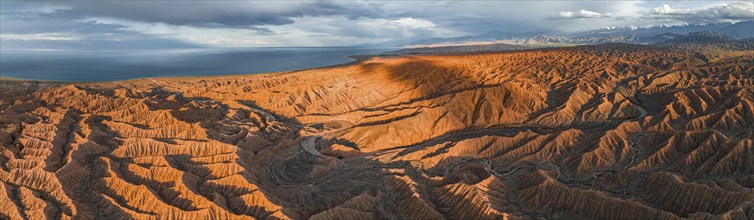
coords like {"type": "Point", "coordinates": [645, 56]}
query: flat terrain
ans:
{"type": "Point", "coordinates": [590, 132]}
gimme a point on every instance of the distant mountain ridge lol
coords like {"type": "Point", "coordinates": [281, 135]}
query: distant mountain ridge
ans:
{"type": "Point", "coordinates": [462, 49]}
{"type": "Point", "coordinates": [649, 35]}
{"type": "Point", "coordinates": [742, 29]}
{"type": "Point", "coordinates": [701, 37]}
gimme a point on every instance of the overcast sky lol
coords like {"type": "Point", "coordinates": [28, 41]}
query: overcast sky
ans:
{"type": "Point", "coordinates": [328, 23]}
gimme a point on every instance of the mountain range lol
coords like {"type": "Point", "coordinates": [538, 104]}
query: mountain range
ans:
{"type": "Point", "coordinates": [633, 35]}
{"type": "Point", "coordinates": [695, 38]}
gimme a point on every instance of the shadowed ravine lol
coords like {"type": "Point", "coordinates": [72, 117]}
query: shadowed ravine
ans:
{"type": "Point", "coordinates": [591, 132]}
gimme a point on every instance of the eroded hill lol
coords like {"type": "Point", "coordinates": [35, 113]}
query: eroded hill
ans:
{"type": "Point", "coordinates": [595, 132]}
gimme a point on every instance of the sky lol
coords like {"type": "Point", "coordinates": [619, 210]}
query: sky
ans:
{"type": "Point", "coordinates": [238, 23]}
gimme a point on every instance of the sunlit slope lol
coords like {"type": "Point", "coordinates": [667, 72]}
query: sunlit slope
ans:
{"type": "Point", "coordinates": [598, 132]}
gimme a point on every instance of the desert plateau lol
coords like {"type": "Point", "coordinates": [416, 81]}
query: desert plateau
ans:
{"type": "Point", "coordinates": [377, 109]}
{"type": "Point", "coordinates": [612, 131]}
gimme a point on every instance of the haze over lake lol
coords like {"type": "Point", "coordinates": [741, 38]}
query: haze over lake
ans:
{"type": "Point", "coordinates": [111, 65]}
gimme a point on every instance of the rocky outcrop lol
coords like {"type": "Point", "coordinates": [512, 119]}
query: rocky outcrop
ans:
{"type": "Point", "coordinates": [593, 132]}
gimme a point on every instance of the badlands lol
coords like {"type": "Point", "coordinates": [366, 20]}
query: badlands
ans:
{"type": "Point", "coordinates": [612, 131]}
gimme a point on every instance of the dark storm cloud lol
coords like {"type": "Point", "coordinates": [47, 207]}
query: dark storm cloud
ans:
{"type": "Point", "coordinates": [210, 14]}
{"type": "Point", "coordinates": [202, 14]}
{"type": "Point", "coordinates": [30, 25]}
{"type": "Point", "coordinates": [321, 22]}
{"type": "Point", "coordinates": [46, 24]}
{"type": "Point", "coordinates": [217, 14]}
{"type": "Point", "coordinates": [31, 17]}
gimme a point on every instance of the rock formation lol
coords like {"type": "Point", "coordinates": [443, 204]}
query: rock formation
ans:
{"type": "Point", "coordinates": [591, 132]}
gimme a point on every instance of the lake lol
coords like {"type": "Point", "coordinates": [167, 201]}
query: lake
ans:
{"type": "Point", "coordinates": [111, 65]}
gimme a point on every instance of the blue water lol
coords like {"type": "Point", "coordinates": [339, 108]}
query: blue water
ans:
{"type": "Point", "coordinates": [99, 65]}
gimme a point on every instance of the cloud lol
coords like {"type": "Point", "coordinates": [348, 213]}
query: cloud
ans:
{"type": "Point", "coordinates": [337, 30]}
{"type": "Point", "coordinates": [43, 25]}
{"type": "Point", "coordinates": [667, 10]}
{"type": "Point", "coordinates": [40, 36]}
{"type": "Point", "coordinates": [412, 23]}
{"type": "Point", "coordinates": [217, 14]}
{"type": "Point", "coordinates": [732, 12]}
{"type": "Point", "coordinates": [582, 14]}
{"type": "Point", "coordinates": [226, 41]}
{"type": "Point", "coordinates": [325, 22]}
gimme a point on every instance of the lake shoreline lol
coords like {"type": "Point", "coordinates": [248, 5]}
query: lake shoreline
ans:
{"type": "Point", "coordinates": [221, 62]}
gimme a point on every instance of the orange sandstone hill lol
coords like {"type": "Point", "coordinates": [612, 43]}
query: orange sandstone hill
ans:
{"type": "Point", "coordinates": [594, 132]}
